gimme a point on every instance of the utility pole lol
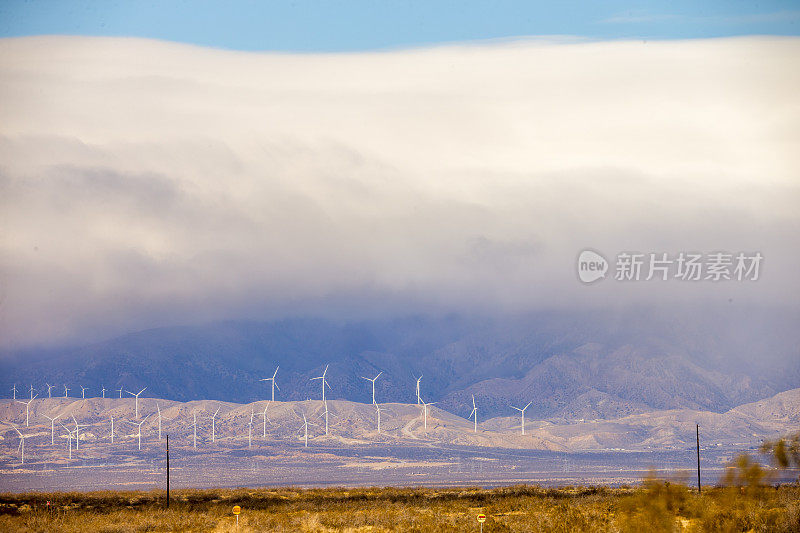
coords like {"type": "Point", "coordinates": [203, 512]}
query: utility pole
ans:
{"type": "Point", "coordinates": [167, 471]}
{"type": "Point", "coordinates": [699, 489]}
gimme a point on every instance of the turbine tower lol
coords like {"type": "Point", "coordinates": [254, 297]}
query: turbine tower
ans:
{"type": "Point", "coordinates": [159, 421]}
{"type": "Point", "coordinates": [49, 388]}
{"type": "Point", "coordinates": [213, 430]}
{"type": "Point", "coordinates": [21, 447]}
{"type": "Point", "coordinates": [474, 413]}
{"type": "Point", "coordinates": [373, 385]}
{"type": "Point", "coordinates": [274, 385]}
{"type": "Point", "coordinates": [32, 389]}
{"type": "Point", "coordinates": [14, 391]}
{"type": "Point", "coordinates": [78, 432]}
{"type": "Point", "coordinates": [137, 400]}
{"type": "Point", "coordinates": [325, 414]}
{"type": "Point", "coordinates": [140, 430]}
{"type": "Point", "coordinates": [66, 392]}
{"type": "Point", "coordinates": [112, 429]}
{"type": "Point", "coordinates": [419, 398]}
{"type": "Point", "coordinates": [103, 391]}
{"type": "Point", "coordinates": [250, 434]}
{"type": "Point", "coordinates": [378, 411]}
{"type": "Point", "coordinates": [52, 428]}
{"type": "Point", "coordinates": [265, 419]}
{"type": "Point", "coordinates": [195, 430]}
{"type": "Point", "coordinates": [324, 382]}
{"type": "Point", "coordinates": [27, 409]}
{"type": "Point", "coordinates": [69, 439]}
{"type": "Point", "coordinates": [120, 391]}
{"type": "Point", "coordinates": [305, 427]}
{"type": "Point", "coordinates": [522, 415]}
{"type": "Point", "coordinates": [83, 392]}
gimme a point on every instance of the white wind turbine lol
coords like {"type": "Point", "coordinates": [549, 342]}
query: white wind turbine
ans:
{"type": "Point", "coordinates": [137, 400]}
{"type": "Point", "coordinates": [305, 427]}
{"type": "Point", "coordinates": [69, 439]}
{"type": "Point", "coordinates": [250, 434]}
{"type": "Point", "coordinates": [21, 445]}
{"type": "Point", "coordinates": [27, 409]}
{"type": "Point", "coordinates": [112, 429]}
{"type": "Point", "coordinates": [78, 432]}
{"type": "Point", "coordinates": [49, 388]}
{"type": "Point", "coordinates": [419, 398]}
{"type": "Point", "coordinates": [425, 409]}
{"type": "Point", "coordinates": [373, 384]}
{"type": "Point", "coordinates": [274, 385]}
{"type": "Point", "coordinates": [522, 415]}
{"type": "Point", "coordinates": [265, 419]}
{"type": "Point", "coordinates": [195, 429]}
{"type": "Point", "coordinates": [32, 389]}
{"type": "Point", "coordinates": [474, 413]}
{"type": "Point", "coordinates": [140, 430]}
{"type": "Point", "coordinates": [14, 391]}
{"type": "Point", "coordinates": [119, 390]}
{"type": "Point", "coordinates": [83, 392]}
{"type": "Point", "coordinates": [324, 382]}
{"type": "Point", "coordinates": [52, 428]}
{"type": "Point", "coordinates": [159, 421]}
{"type": "Point", "coordinates": [66, 391]}
{"type": "Point", "coordinates": [213, 430]}
{"type": "Point", "coordinates": [103, 391]}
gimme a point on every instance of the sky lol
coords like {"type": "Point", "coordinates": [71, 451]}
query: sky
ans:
{"type": "Point", "coordinates": [304, 26]}
{"type": "Point", "coordinates": [148, 183]}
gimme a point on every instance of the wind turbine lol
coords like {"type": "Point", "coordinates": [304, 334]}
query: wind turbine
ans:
{"type": "Point", "coordinates": [274, 385]}
{"type": "Point", "coordinates": [159, 421]}
{"type": "Point", "coordinates": [137, 400]}
{"type": "Point", "coordinates": [305, 427]}
{"type": "Point", "coordinates": [425, 409]}
{"type": "Point", "coordinates": [103, 391]}
{"type": "Point", "coordinates": [140, 430]}
{"type": "Point", "coordinates": [14, 391]}
{"type": "Point", "coordinates": [265, 419]}
{"type": "Point", "coordinates": [49, 388]}
{"type": "Point", "coordinates": [27, 409]}
{"type": "Point", "coordinates": [32, 389]}
{"type": "Point", "coordinates": [324, 382]}
{"type": "Point", "coordinates": [120, 391]}
{"type": "Point", "coordinates": [66, 391]}
{"type": "Point", "coordinates": [83, 392]}
{"type": "Point", "coordinates": [522, 415]}
{"type": "Point", "coordinates": [52, 428]}
{"type": "Point", "coordinates": [474, 413]}
{"type": "Point", "coordinates": [195, 430]}
{"type": "Point", "coordinates": [77, 432]}
{"type": "Point", "coordinates": [21, 445]}
{"type": "Point", "coordinates": [213, 431]}
{"type": "Point", "coordinates": [419, 399]}
{"type": "Point", "coordinates": [373, 384]}
{"type": "Point", "coordinates": [112, 429]}
{"type": "Point", "coordinates": [69, 438]}
{"type": "Point", "coordinates": [250, 434]}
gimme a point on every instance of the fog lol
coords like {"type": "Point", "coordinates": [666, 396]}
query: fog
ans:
{"type": "Point", "coordinates": [145, 183]}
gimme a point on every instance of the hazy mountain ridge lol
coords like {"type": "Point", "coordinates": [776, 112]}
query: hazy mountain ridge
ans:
{"type": "Point", "coordinates": [567, 366]}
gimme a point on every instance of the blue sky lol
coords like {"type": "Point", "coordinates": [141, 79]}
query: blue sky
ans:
{"type": "Point", "coordinates": [309, 26]}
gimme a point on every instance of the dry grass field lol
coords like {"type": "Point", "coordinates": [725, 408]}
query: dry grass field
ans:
{"type": "Point", "coordinates": [656, 505]}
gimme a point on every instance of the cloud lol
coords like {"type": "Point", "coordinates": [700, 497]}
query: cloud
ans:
{"type": "Point", "coordinates": [145, 183]}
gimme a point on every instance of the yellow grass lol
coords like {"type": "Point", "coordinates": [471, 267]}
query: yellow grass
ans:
{"type": "Point", "coordinates": [657, 505]}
